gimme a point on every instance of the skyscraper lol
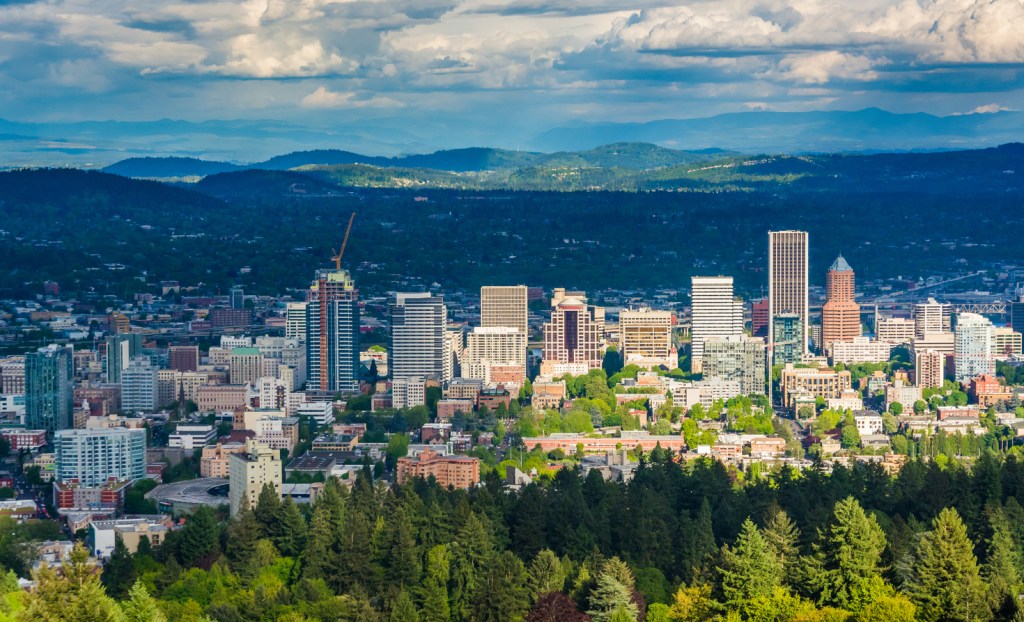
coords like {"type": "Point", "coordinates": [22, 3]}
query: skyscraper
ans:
{"type": "Point", "coordinates": [93, 457]}
{"type": "Point", "coordinates": [974, 345]}
{"type": "Point", "coordinates": [574, 334]}
{"type": "Point", "coordinates": [645, 337]}
{"type": "Point", "coordinates": [139, 387]}
{"type": "Point", "coordinates": [787, 279]}
{"type": "Point", "coordinates": [417, 339]}
{"type": "Point", "coordinates": [332, 332]}
{"type": "Point", "coordinates": [506, 306]}
{"type": "Point", "coordinates": [121, 349]}
{"type": "Point", "coordinates": [840, 315]}
{"type": "Point", "coordinates": [931, 317]}
{"type": "Point", "coordinates": [237, 297]}
{"type": "Point", "coordinates": [789, 333]}
{"type": "Point", "coordinates": [295, 321]}
{"type": "Point", "coordinates": [49, 389]}
{"type": "Point", "coordinates": [716, 313]}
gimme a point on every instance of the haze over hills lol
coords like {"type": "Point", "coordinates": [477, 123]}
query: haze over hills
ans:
{"type": "Point", "coordinates": [101, 143]}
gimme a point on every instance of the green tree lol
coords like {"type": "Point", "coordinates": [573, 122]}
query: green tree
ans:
{"type": "Point", "coordinates": [242, 534]}
{"type": "Point", "coordinates": [749, 568]}
{"type": "Point", "coordinates": [782, 535]}
{"type": "Point", "coordinates": [946, 583]}
{"type": "Point", "coordinates": [402, 559]}
{"type": "Point", "coordinates": [1002, 579]}
{"type": "Point", "coordinates": [289, 536]}
{"type": "Point", "coordinates": [609, 596]}
{"type": "Point", "coordinates": [403, 609]}
{"type": "Point", "coordinates": [896, 408]}
{"type": "Point", "coordinates": [119, 571]}
{"type": "Point", "coordinates": [320, 555]}
{"type": "Point", "coordinates": [472, 548]}
{"type": "Point", "coordinates": [545, 574]}
{"type": "Point", "coordinates": [198, 544]}
{"type": "Point", "coordinates": [141, 607]}
{"type": "Point", "coordinates": [502, 595]}
{"type": "Point", "coordinates": [920, 406]}
{"type": "Point", "coordinates": [433, 593]}
{"type": "Point", "coordinates": [76, 595]}
{"type": "Point", "coordinates": [849, 551]}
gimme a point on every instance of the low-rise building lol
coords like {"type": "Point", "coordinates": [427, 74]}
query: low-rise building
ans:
{"type": "Point", "coordinates": [906, 395]}
{"type": "Point", "coordinates": [448, 471]}
{"type": "Point", "coordinates": [215, 459]}
{"type": "Point", "coordinates": [815, 382]}
{"type": "Point", "coordinates": [986, 391]}
{"type": "Point", "coordinates": [335, 442]}
{"type": "Point", "coordinates": [249, 471]}
{"type": "Point", "coordinates": [447, 408]}
{"type": "Point", "coordinates": [319, 413]}
{"type": "Point", "coordinates": [103, 534]}
{"type": "Point", "coordinates": [768, 446]}
{"type": "Point", "coordinates": [28, 440]}
{"type": "Point", "coordinates": [192, 437]}
{"type": "Point", "coordinates": [868, 422]}
{"type": "Point", "coordinates": [860, 350]}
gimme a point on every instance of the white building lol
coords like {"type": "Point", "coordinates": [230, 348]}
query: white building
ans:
{"type": "Point", "coordinates": [868, 422]}
{"type": "Point", "coordinates": [320, 413]}
{"type": "Point", "coordinates": [974, 345]}
{"type": "Point", "coordinates": [417, 340]}
{"type": "Point", "coordinates": [191, 437]}
{"type": "Point", "coordinates": [716, 313]}
{"type": "Point", "coordinates": [906, 395]}
{"type": "Point", "coordinates": [495, 345]}
{"type": "Point", "coordinates": [861, 350]}
{"type": "Point", "coordinates": [295, 321]}
{"type": "Point", "coordinates": [408, 392]}
{"type": "Point", "coordinates": [895, 330]}
{"type": "Point", "coordinates": [139, 386]}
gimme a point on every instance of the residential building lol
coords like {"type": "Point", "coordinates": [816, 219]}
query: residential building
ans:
{"type": "Point", "coordinates": [318, 413]}
{"type": "Point", "coordinates": [49, 389]}
{"type": "Point", "coordinates": [547, 395]}
{"type": "Point", "coordinates": [860, 350]}
{"type": "Point", "coordinates": [894, 330]}
{"type": "Point", "coordinates": [987, 391]}
{"type": "Point", "coordinates": [931, 317]}
{"type": "Point", "coordinates": [249, 471]}
{"type": "Point", "coordinates": [840, 315]}
{"type": "Point", "coordinates": [183, 358]}
{"type": "Point", "coordinates": [103, 534]}
{"type": "Point", "coordinates": [93, 457]}
{"type": "Point", "coordinates": [645, 338]}
{"type": "Point", "coordinates": [868, 422]}
{"type": "Point", "coordinates": [12, 375]}
{"type": "Point", "coordinates": [812, 382]}
{"type": "Point", "coordinates": [905, 394]}
{"type": "Point", "coordinates": [1006, 342]}
{"type": "Point", "coordinates": [408, 392]}
{"type": "Point", "coordinates": [448, 471]}
{"type": "Point", "coordinates": [192, 437]}
{"type": "Point", "coordinates": [246, 366]}
{"type": "Point", "coordinates": [216, 459]}
{"type": "Point", "coordinates": [974, 339]}
{"type": "Point", "coordinates": [739, 358]}
{"type": "Point", "coordinates": [929, 368]}
{"type": "Point", "coordinates": [416, 341]}
{"type": "Point", "coordinates": [715, 313]}
{"type": "Point", "coordinates": [295, 321]}
{"type": "Point", "coordinates": [139, 386]}
{"type": "Point", "coordinates": [495, 345]}
{"type": "Point", "coordinates": [122, 349]}
{"type": "Point", "coordinates": [574, 334]}
{"type": "Point", "coordinates": [27, 440]}
{"type": "Point", "coordinates": [448, 408]}
{"type": "Point", "coordinates": [788, 334]}
{"type": "Point", "coordinates": [332, 332]}
{"type": "Point", "coordinates": [787, 279]}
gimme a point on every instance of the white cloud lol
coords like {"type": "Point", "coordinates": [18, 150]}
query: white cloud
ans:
{"type": "Point", "coordinates": [323, 97]}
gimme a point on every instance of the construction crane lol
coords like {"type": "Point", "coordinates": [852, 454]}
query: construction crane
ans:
{"type": "Point", "coordinates": [337, 257]}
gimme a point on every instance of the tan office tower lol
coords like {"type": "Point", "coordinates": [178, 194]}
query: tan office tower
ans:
{"type": "Point", "coordinates": [573, 335]}
{"type": "Point", "coordinates": [645, 336]}
{"type": "Point", "coordinates": [840, 315]}
{"type": "Point", "coordinates": [505, 305]}
{"type": "Point", "coordinates": [716, 313]}
{"type": "Point", "coordinates": [787, 279]}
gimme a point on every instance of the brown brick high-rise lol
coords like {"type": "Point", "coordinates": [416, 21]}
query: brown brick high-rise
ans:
{"type": "Point", "coordinates": [840, 315]}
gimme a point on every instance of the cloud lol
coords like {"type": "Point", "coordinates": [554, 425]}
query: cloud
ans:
{"type": "Point", "coordinates": [985, 109]}
{"type": "Point", "coordinates": [322, 97]}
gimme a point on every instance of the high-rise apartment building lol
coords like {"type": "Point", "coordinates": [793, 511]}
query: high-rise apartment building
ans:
{"type": "Point", "coordinates": [139, 386]}
{"type": "Point", "coordinates": [96, 456]}
{"type": "Point", "coordinates": [787, 279]}
{"type": "Point", "coordinates": [645, 338]}
{"type": "Point", "coordinates": [246, 366]}
{"type": "Point", "coordinates": [237, 297]}
{"type": "Point", "coordinates": [974, 343]}
{"type": "Point", "coordinates": [183, 358]}
{"type": "Point", "coordinates": [417, 341]}
{"type": "Point", "coordinates": [489, 346]}
{"type": "Point", "coordinates": [574, 333]}
{"type": "Point", "coordinates": [49, 389]}
{"type": "Point", "coordinates": [121, 349]}
{"type": "Point", "coordinates": [840, 315]}
{"type": "Point", "coordinates": [295, 321]}
{"type": "Point", "coordinates": [736, 358]}
{"type": "Point", "coordinates": [931, 317]}
{"type": "Point", "coordinates": [716, 313]}
{"type": "Point", "coordinates": [332, 332]}
{"type": "Point", "coordinates": [929, 368]}
{"type": "Point", "coordinates": [249, 471]}
{"type": "Point", "coordinates": [789, 334]}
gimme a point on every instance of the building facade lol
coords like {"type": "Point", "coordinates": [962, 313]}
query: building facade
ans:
{"type": "Point", "coordinates": [506, 305]}
{"type": "Point", "coordinates": [91, 458]}
{"type": "Point", "coordinates": [449, 471]}
{"type": "Point", "coordinates": [739, 358]}
{"type": "Point", "coordinates": [49, 389]}
{"type": "Point", "coordinates": [249, 471]}
{"type": "Point", "coordinates": [840, 315]}
{"type": "Point", "coordinates": [121, 350]}
{"type": "Point", "coordinates": [139, 386]}
{"type": "Point", "coordinates": [332, 332]}
{"type": "Point", "coordinates": [715, 313]}
{"type": "Point", "coordinates": [929, 368]}
{"type": "Point", "coordinates": [494, 345]}
{"type": "Point", "coordinates": [974, 345]}
{"type": "Point", "coordinates": [574, 334]}
{"type": "Point", "coordinates": [787, 279]}
{"type": "Point", "coordinates": [788, 332]}
{"type": "Point", "coordinates": [418, 341]}
{"type": "Point", "coordinates": [645, 338]}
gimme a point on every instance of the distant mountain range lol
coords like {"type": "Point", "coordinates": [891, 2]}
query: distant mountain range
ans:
{"type": "Point", "coordinates": [95, 144]}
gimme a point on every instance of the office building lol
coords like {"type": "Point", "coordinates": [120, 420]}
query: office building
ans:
{"type": "Point", "coordinates": [716, 313]}
{"type": "Point", "coordinates": [104, 534]}
{"type": "Point", "coordinates": [121, 349]}
{"type": "Point", "coordinates": [12, 375]}
{"type": "Point", "coordinates": [894, 330]}
{"type": "Point", "coordinates": [249, 471]}
{"type": "Point", "coordinates": [860, 350]}
{"type": "Point", "coordinates": [811, 383]}
{"type": "Point", "coordinates": [1006, 342]}
{"type": "Point", "coordinates": [94, 457]}
{"type": "Point", "coordinates": [505, 306]}
{"type": "Point", "coordinates": [974, 343]}
{"type": "Point", "coordinates": [787, 279]}
{"type": "Point", "coordinates": [408, 392]}
{"type": "Point", "coordinates": [759, 318]}
{"type": "Point", "coordinates": [789, 334]}
{"type": "Point", "coordinates": [417, 341]}
{"type": "Point", "coordinates": [332, 332]}
{"type": "Point", "coordinates": [573, 336]}
{"type": "Point", "coordinates": [295, 321]}
{"type": "Point", "coordinates": [139, 386]}
{"type": "Point", "coordinates": [840, 315]}
{"type": "Point", "coordinates": [237, 297]}
{"type": "Point", "coordinates": [736, 358]}
{"type": "Point", "coordinates": [246, 366]}
{"type": "Point", "coordinates": [454, 350]}
{"type": "Point", "coordinates": [183, 358]}
{"type": "Point", "coordinates": [1016, 309]}
{"type": "Point", "coordinates": [191, 437]}
{"type": "Point", "coordinates": [493, 346]}
{"type": "Point", "coordinates": [645, 338]}
{"type": "Point", "coordinates": [929, 368]}
{"type": "Point", "coordinates": [49, 389]}
{"type": "Point", "coordinates": [931, 317]}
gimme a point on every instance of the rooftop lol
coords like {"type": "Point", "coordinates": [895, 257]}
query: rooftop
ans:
{"type": "Point", "coordinates": [840, 265]}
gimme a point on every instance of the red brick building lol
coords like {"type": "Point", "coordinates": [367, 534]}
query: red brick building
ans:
{"type": "Point", "coordinates": [449, 471]}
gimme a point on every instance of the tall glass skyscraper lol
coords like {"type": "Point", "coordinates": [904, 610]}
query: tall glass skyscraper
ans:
{"type": "Point", "coordinates": [332, 332]}
{"type": "Point", "coordinates": [49, 389]}
{"type": "Point", "coordinates": [787, 280]}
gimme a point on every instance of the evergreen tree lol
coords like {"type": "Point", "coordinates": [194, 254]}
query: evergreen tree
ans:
{"type": "Point", "coordinates": [145, 548]}
{"type": "Point", "coordinates": [403, 609]}
{"type": "Point", "coordinates": [470, 551]}
{"type": "Point", "coordinates": [502, 595]}
{"type": "Point", "coordinates": [266, 508]}
{"type": "Point", "coordinates": [609, 596]}
{"type": "Point", "coordinates": [946, 584]}
{"type": "Point", "coordinates": [1002, 580]}
{"type": "Point", "coordinates": [141, 607]}
{"type": "Point", "coordinates": [527, 537]}
{"type": "Point", "coordinates": [198, 545]}
{"type": "Point", "coordinates": [119, 571]}
{"type": "Point", "coordinates": [749, 569]}
{"type": "Point", "coordinates": [356, 554]}
{"type": "Point", "coordinates": [242, 534]}
{"type": "Point", "coordinates": [289, 533]}
{"type": "Point", "coordinates": [433, 592]}
{"type": "Point", "coordinates": [782, 535]}
{"type": "Point", "coordinates": [698, 548]}
{"type": "Point", "coordinates": [320, 556]}
{"type": "Point", "coordinates": [403, 560]}
{"type": "Point", "coordinates": [849, 551]}
{"type": "Point", "coordinates": [77, 595]}
{"type": "Point", "coordinates": [545, 574]}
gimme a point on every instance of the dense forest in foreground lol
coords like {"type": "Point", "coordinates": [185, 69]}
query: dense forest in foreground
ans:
{"type": "Point", "coordinates": [680, 542]}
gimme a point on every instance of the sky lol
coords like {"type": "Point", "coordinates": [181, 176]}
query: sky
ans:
{"type": "Point", "coordinates": [522, 65]}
